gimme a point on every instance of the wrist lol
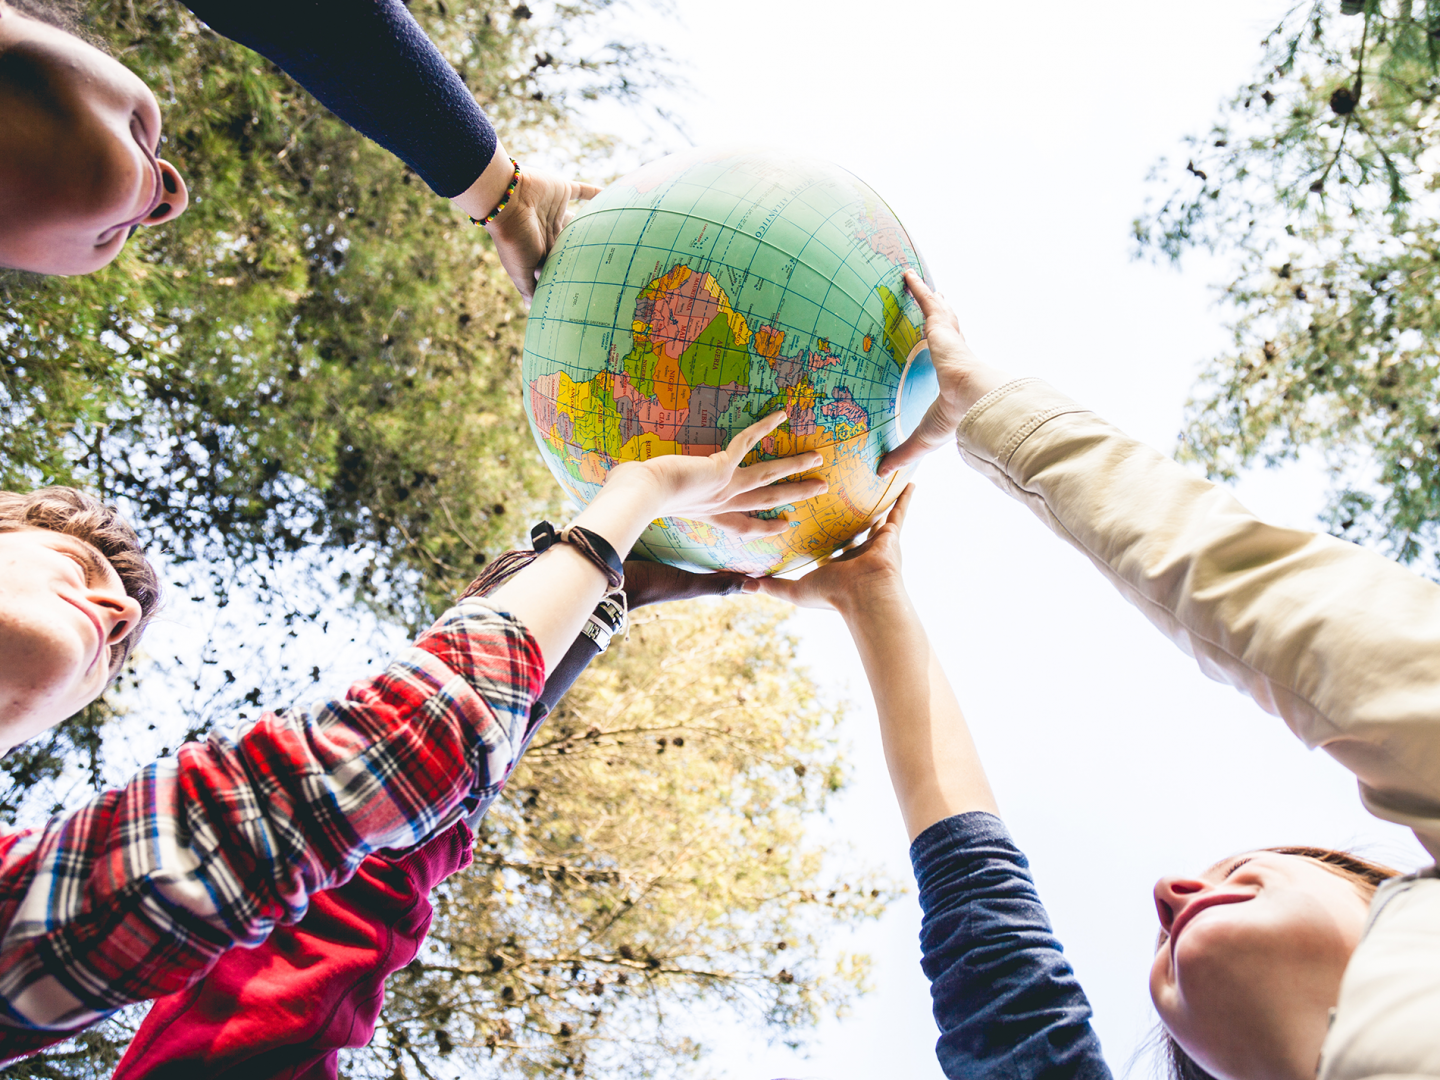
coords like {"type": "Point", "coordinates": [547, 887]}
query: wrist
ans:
{"type": "Point", "coordinates": [629, 501]}
{"type": "Point", "coordinates": [486, 193]}
{"type": "Point", "coordinates": [640, 480]}
{"type": "Point", "coordinates": [877, 601]}
{"type": "Point", "coordinates": [975, 383]}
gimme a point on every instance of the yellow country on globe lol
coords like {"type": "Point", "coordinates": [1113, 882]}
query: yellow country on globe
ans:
{"type": "Point", "coordinates": [709, 289]}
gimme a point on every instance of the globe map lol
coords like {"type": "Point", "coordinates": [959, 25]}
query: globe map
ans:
{"type": "Point", "coordinates": [707, 290]}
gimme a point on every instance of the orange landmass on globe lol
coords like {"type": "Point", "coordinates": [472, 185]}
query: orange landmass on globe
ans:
{"type": "Point", "coordinates": [653, 415]}
{"type": "Point", "coordinates": [768, 341]}
{"type": "Point", "coordinates": [671, 315]}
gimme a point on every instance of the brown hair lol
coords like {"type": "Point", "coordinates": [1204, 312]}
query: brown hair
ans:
{"type": "Point", "coordinates": [1365, 875]}
{"type": "Point", "coordinates": [74, 513]}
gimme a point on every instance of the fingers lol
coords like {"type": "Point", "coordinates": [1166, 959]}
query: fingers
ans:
{"type": "Point", "coordinates": [521, 268]}
{"type": "Point", "coordinates": [932, 304]}
{"type": "Point", "coordinates": [897, 513]}
{"type": "Point", "coordinates": [724, 583]}
{"type": "Point", "coordinates": [767, 472]}
{"type": "Point", "coordinates": [771, 496]}
{"type": "Point", "coordinates": [653, 583]}
{"type": "Point", "coordinates": [744, 527]}
{"type": "Point", "coordinates": [743, 443]}
{"type": "Point", "coordinates": [583, 191]}
{"type": "Point", "coordinates": [780, 588]}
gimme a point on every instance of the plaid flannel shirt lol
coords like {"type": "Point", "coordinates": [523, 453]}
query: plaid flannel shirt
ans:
{"type": "Point", "coordinates": [139, 893]}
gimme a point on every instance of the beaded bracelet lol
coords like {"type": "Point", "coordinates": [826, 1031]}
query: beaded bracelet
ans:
{"type": "Point", "coordinates": [505, 199]}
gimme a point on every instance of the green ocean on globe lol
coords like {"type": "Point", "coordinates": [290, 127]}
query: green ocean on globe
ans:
{"type": "Point", "coordinates": [707, 290]}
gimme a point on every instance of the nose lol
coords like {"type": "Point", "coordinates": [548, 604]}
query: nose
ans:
{"type": "Point", "coordinates": [119, 614]}
{"type": "Point", "coordinates": [1171, 896]}
{"type": "Point", "coordinates": [176, 198]}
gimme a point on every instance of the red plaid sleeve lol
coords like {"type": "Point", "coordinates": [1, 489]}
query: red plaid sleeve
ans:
{"type": "Point", "coordinates": [138, 893]}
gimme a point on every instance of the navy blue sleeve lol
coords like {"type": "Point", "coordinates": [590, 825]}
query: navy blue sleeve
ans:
{"type": "Point", "coordinates": [1006, 1001]}
{"type": "Point", "coordinates": [369, 63]}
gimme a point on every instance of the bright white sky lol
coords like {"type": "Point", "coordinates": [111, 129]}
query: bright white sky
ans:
{"type": "Point", "coordinates": [1013, 141]}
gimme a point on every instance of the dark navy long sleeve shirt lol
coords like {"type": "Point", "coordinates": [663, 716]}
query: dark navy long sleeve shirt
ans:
{"type": "Point", "coordinates": [369, 63]}
{"type": "Point", "coordinates": [1006, 1000]}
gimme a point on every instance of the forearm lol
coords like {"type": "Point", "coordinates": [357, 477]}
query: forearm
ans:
{"type": "Point", "coordinates": [138, 893]}
{"type": "Point", "coordinates": [556, 593]}
{"type": "Point", "coordinates": [1337, 640]}
{"type": "Point", "coordinates": [371, 65]}
{"type": "Point", "coordinates": [1005, 999]}
{"type": "Point", "coordinates": [934, 766]}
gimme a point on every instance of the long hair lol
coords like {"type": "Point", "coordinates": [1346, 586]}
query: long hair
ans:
{"type": "Point", "coordinates": [1365, 875]}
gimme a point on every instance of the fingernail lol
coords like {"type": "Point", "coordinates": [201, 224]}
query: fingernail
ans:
{"type": "Point", "coordinates": [169, 182]}
{"type": "Point", "coordinates": [161, 210]}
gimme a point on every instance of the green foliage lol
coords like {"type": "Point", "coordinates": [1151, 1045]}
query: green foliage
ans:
{"type": "Point", "coordinates": [320, 351]}
{"type": "Point", "coordinates": [1320, 177]}
{"type": "Point", "coordinates": [320, 355]}
{"type": "Point", "coordinates": [306, 392]}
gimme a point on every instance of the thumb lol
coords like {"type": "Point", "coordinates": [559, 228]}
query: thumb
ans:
{"type": "Point", "coordinates": [779, 588]}
{"type": "Point", "coordinates": [934, 431]}
{"type": "Point", "coordinates": [583, 191]}
{"type": "Point", "coordinates": [654, 583]}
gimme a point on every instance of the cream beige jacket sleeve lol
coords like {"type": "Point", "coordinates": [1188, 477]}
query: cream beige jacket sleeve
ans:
{"type": "Point", "coordinates": [1340, 642]}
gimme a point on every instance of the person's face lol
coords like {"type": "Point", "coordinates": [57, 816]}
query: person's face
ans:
{"type": "Point", "coordinates": [1250, 961]}
{"type": "Point", "coordinates": [62, 607]}
{"type": "Point", "coordinates": [79, 138]}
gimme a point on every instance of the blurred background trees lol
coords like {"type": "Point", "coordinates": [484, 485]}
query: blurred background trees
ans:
{"type": "Point", "coordinates": [1319, 179]}
{"type": "Point", "coordinates": [305, 391]}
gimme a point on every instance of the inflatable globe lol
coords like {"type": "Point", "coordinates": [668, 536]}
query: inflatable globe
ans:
{"type": "Point", "coordinates": [705, 291]}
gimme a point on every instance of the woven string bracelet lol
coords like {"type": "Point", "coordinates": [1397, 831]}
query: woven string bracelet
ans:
{"type": "Point", "coordinates": [610, 616]}
{"type": "Point", "coordinates": [505, 199]}
{"type": "Point", "coordinates": [590, 544]}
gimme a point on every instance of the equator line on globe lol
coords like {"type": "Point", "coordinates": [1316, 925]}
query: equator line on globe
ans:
{"type": "Point", "coordinates": [707, 290]}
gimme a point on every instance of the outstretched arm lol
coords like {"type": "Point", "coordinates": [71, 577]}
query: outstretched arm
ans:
{"type": "Point", "coordinates": [1338, 641]}
{"type": "Point", "coordinates": [555, 594]}
{"type": "Point", "coordinates": [352, 938]}
{"type": "Point", "coordinates": [371, 65]}
{"type": "Point", "coordinates": [1006, 1001]}
{"type": "Point", "coordinates": [933, 764]}
{"type": "Point", "coordinates": [139, 892]}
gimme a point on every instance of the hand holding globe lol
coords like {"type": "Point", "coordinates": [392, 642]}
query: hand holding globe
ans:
{"type": "Point", "coordinates": [706, 291]}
